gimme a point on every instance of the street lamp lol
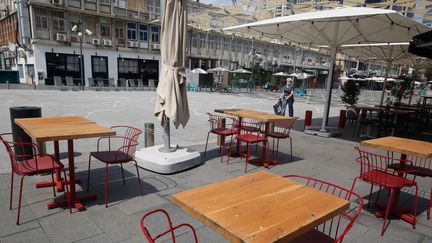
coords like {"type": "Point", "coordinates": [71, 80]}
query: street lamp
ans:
{"type": "Point", "coordinates": [78, 28]}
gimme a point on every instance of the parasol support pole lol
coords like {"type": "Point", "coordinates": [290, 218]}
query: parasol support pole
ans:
{"type": "Point", "coordinates": [328, 91]}
{"type": "Point", "coordinates": [167, 138]}
{"type": "Point", "coordinates": [389, 62]}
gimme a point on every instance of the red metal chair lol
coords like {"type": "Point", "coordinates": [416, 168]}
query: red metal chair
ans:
{"type": "Point", "coordinates": [250, 133]}
{"type": "Point", "coordinates": [222, 126]}
{"type": "Point", "coordinates": [374, 169]}
{"type": "Point", "coordinates": [171, 229]}
{"type": "Point", "coordinates": [281, 130]}
{"type": "Point", "coordinates": [335, 229]}
{"type": "Point", "coordinates": [418, 167]}
{"type": "Point", "coordinates": [128, 138]}
{"type": "Point", "coordinates": [28, 165]}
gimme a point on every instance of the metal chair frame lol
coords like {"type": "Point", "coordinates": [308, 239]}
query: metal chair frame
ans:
{"type": "Point", "coordinates": [126, 150]}
{"type": "Point", "coordinates": [344, 221]}
{"type": "Point", "coordinates": [32, 164]}
{"type": "Point", "coordinates": [171, 229]}
{"type": "Point", "coordinates": [222, 126]}
{"type": "Point", "coordinates": [281, 130]}
{"type": "Point", "coordinates": [375, 170]}
{"type": "Point", "coordinates": [250, 133]}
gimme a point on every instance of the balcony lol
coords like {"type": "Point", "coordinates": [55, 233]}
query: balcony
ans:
{"type": "Point", "coordinates": [135, 14]}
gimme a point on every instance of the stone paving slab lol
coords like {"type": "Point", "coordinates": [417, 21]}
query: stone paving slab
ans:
{"type": "Point", "coordinates": [328, 159]}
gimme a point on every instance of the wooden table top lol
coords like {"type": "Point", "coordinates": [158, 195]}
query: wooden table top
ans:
{"type": "Point", "coordinates": [260, 207]}
{"type": "Point", "coordinates": [401, 145]}
{"type": "Point", "coordinates": [61, 128]}
{"type": "Point", "coordinates": [252, 114]}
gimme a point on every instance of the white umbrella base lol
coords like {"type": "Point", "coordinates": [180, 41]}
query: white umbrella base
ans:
{"type": "Point", "coordinates": [316, 130]}
{"type": "Point", "coordinates": [151, 158]}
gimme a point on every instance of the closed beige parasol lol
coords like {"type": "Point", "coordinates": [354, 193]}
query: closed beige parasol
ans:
{"type": "Point", "coordinates": [172, 100]}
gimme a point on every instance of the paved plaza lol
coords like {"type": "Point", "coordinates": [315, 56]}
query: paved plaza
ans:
{"type": "Point", "coordinates": [329, 159]}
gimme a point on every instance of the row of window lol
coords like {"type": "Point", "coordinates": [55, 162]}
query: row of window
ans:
{"type": "Point", "coordinates": [135, 32]}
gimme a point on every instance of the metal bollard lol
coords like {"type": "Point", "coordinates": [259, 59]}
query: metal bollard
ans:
{"type": "Point", "coordinates": [342, 115]}
{"type": "Point", "coordinates": [148, 134]}
{"type": "Point", "coordinates": [221, 139]}
{"type": "Point", "coordinates": [308, 119]}
{"type": "Point", "coordinates": [7, 84]}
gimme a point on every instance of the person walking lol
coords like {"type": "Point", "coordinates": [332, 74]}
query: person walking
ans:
{"type": "Point", "coordinates": [287, 98]}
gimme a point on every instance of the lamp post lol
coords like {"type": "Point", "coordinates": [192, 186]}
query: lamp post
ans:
{"type": "Point", "coordinates": [78, 28]}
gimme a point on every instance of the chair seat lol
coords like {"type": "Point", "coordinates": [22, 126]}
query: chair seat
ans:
{"type": "Point", "coordinates": [44, 164]}
{"type": "Point", "coordinates": [112, 157]}
{"type": "Point", "coordinates": [251, 138]}
{"type": "Point", "coordinates": [417, 170]}
{"type": "Point", "coordinates": [224, 131]}
{"type": "Point", "coordinates": [386, 180]}
{"type": "Point", "coordinates": [277, 135]}
{"type": "Point", "coordinates": [313, 236]}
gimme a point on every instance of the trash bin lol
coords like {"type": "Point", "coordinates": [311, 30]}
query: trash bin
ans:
{"type": "Point", "coordinates": [18, 133]}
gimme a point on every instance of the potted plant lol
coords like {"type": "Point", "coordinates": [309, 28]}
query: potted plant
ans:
{"type": "Point", "coordinates": [350, 97]}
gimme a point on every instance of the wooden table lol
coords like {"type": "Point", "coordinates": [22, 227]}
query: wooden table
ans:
{"type": "Point", "coordinates": [256, 115]}
{"type": "Point", "coordinates": [63, 128]}
{"type": "Point", "coordinates": [405, 147]}
{"type": "Point", "coordinates": [260, 207]}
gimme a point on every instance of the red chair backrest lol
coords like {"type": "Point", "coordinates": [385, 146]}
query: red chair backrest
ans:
{"type": "Point", "coordinates": [6, 139]}
{"type": "Point", "coordinates": [338, 226]}
{"type": "Point", "coordinates": [130, 137]}
{"type": "Point", "coordinates": [170, 229]}
{"type": "Point", "coordinates": [283, 127]}
{"type": "Point", "coordinates": [251, 127]}
{"type": "Point", "coordinates": [377, 163]}
{"type": "Point", "coordinates": [217, 121]}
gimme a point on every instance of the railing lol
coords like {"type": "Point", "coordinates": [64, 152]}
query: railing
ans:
{"type": "Point", "coordinates": [135, 14]}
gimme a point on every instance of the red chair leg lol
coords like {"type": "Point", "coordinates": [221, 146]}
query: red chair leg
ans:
{"type": "Point", "coordinates": [67, 192]}
{"type": "Point", "coordinates": [205, 150]}
{"type": "Point", "coordinates": [19, 200]}
{"type": "Point", "coordinates": [88, 174]}
{"type": "Point", "coordinates": [430, 205]}
{"type": "Point", "coordinates": [139, 178]}
{"type": "Point", "coordinates": [106, 185]}
{"type": "Point", "coordinates": [53, 183]}
{"type": "Point", "coordinates": [387, 212]}
{"type": "Point", "coordinates": [415, 207]}
{"type": "Point", "coordinates": [230, 149]}
{"type": "Point", "coordinates": [11, 191]}
{"type": "Point", "coordinates": [121, 165]}
{"type": "Point", "coordinates": [221, 148]}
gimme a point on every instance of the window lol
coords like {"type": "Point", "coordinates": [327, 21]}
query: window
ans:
{"type": "Point", "coordinates": [105, 30]}
{"type": "Point", "coordinates": [155, 34]}
{"type": "Point", "coordinates": [119, 32]}
{"type": "Point", "coordinates": [41, 19]}
{"type": "Point", "coordinates": [131, 31]}
{"type": "Point", "coordinates": [58, 21]}
{"type": "Point", "coordinates": [108, 2]}
{"type": "Point", "coordinates": [128, 65]}
{"type": "Point", "coordinates": [73, 63]}
{"type": "Point", "coordinates": [143, 34]}
{"type": "Point", "coordinates": [99, 64]}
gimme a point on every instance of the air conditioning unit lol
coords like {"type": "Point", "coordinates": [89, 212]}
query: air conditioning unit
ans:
{"type": "Point", "coordinates": [61, 37]}
{"type": "Point", "coordinates": [107, 42]}
{"type": "Point", "coordinates": [57, 2]}
{"type": "Point", "coordinates": [133, 44]}
{"type": "Point", "coordinates": [96, 42]}
{"type": "Point", "coordinates": [157, 46]}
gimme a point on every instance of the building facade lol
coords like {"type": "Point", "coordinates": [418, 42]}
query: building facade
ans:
{"type": "Point", "coordinates": [124, 40]}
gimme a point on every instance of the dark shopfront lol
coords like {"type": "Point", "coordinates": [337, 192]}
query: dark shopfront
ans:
{"type": "Point", "coordinates": [138, 69]}
{"type": "Point", "coordinates": [62, 65]}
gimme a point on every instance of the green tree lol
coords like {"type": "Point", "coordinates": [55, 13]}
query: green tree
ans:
{"type": "Point", "coordinates": [351, 92]}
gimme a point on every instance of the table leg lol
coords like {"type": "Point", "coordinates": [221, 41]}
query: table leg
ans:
{"type": "Point", "coordinates": [264, 149]}
{"type": "Point", "coordinates": [237, 152]}
{"type": "Point", "coordinates": [401, 213]}
{"type": "Point", "coordinates": [59, 181]}
{"type": "Point", "coordinates": [75, 201]}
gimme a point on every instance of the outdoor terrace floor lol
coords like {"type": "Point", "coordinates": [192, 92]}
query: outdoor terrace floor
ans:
{"type": "Point", "coordinates": [330, 159]}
